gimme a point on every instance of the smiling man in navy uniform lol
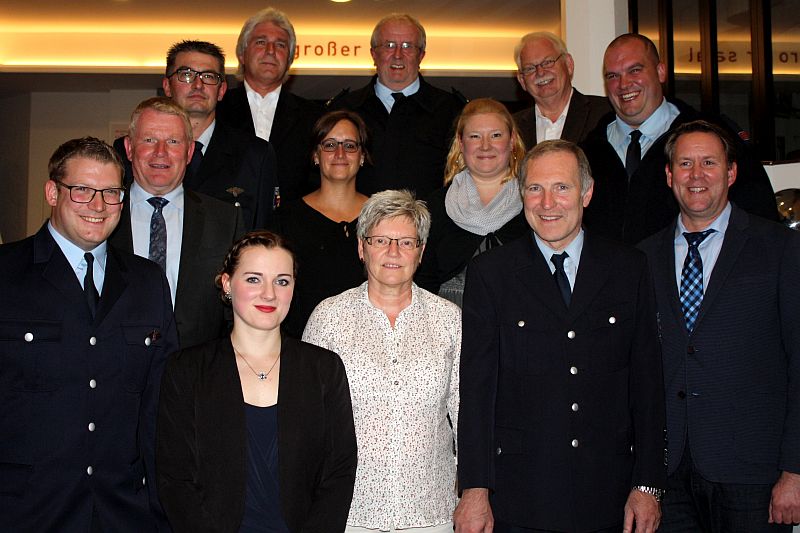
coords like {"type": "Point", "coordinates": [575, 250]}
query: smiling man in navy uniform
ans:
{"type": "Point", "coordinates": [86, 331]}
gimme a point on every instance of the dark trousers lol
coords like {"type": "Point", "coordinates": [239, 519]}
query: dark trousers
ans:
{"type": "Point", "coordinates": [693, 504]}
{"type": "Point", "coordinates": [502, 527]}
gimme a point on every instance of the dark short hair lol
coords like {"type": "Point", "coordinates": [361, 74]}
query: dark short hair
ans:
{"type": "Point", "coordinates": [267, 239]}
{"type": "Point", "coordinates": [85, 147]}
{"type": "Point", "coordinates": [649, 46]}
{"type": "Point", "coordinates": [700, 126]}
{"type": "Point", "coordinates": [202, 47]}
{"type": "Point", "coordinates": [554, 146]}
{"type": "Point", "coordinates": [327, 122]}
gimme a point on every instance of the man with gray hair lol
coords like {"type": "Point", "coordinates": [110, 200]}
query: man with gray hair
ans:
{"type": "Point", "coordinates": [560, 111]}
{"type": "Point", "coordinates": [410, 121]}
{"type": "Point", "coordinates": [561, 424]}
{"type": "Point", "coordinates": [263, 106]}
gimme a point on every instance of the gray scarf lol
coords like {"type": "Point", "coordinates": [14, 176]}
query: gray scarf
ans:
{"type": "Point", "coordinates": [464, 207]}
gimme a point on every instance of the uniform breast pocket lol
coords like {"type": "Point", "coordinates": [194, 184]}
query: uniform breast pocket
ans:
{"type": "Point", "coordinates": [31, 355]}
{"type": "Point", "coordinates": [141, 344]}
{"type": "Point", "coordinates": [610, 334]}
{"type": "Point", "coordinates": [523, 346]}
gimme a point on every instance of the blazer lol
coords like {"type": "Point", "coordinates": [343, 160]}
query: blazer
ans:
{"type": "Point", "coordinates": [409, 146]}
{"type": "Point", "coordinates": [78, 395]}
{"type": "Point", "coordinates": [201, 451]}
{"type": "Point", "coordinates": [632, 210]}
{"type": "Point", "coordinates": [585, 111]}
{"type": "Point", "coordinates": [237, 168]}
{"type": "Point", "coordinates": [210, 226]}
{"type": "Point", "coordinates": [733, 385]}
{"type": "Point", "coordinates": [291, 136]}
{"type": "Point", "coordinates": [562, 409]}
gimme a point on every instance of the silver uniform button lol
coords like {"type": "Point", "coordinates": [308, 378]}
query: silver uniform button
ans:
{"type": "Point", "coordinates": [612, 320]}
{"type": "Point", "coordinates": [521, 323]}
{"type": "Point", "coordinates": [89, 470]}
{"type": "Point", "coordinates": [144, 481]}
{"type": "Point", "coordinates": [575, 443]}
{"type": "Point", "coordinates": [499, 450]}
{"type": "Point", "coordinates": [92, 384]}
{"type": "Point", "coordinates": [29, 337]}
{"type": "Point", "coordinates": [93, 340]}
{"type": "Point", "coordinates": [575, 407]}
{"type": "Point", "coordinates": [570, 334]}
{"type": "Point", "coordinates": [147, 341]}
{"type": "Point", "coordinates": [573, 370]}
{"type": "Point", "coordinates": [91, 426]}
{"type": "Point", "coordinates": [237, 204]}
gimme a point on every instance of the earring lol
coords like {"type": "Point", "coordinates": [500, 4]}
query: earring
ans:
{"type": "Point", "coordinates": [228, 296]}
{"type": "Point", "coordinates": [362, 162]}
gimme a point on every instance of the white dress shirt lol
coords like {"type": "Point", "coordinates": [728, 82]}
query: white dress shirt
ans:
{"type": "Point", "coordinates": [141, 212]}
{"type": "Point", "coordinates": [709, 249]}
{"type": "Point", "coordinates": [205, 137]}
{"type": "Point", "coordinates": [403, 384]}
{"type": "Point", "coordinates": [546, 129]}
{"type": "Point", "coordinates": [656, 125]}
{"type": "Point", "coordinates": [262, 109]}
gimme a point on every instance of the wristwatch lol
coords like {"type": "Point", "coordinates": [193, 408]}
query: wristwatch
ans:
{"type": "Point", "coordinates": [652, 491]}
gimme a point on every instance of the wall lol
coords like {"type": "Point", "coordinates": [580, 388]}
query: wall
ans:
{"type": "Point", "coordinates": [14, 147]}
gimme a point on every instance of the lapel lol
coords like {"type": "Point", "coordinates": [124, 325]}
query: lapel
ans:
{"type": "Point", "coordinates": [215, 160]}
{"type": "Point", "coordinates": [592, 274]}
{"type": "Point", "coordinates": [534, 274]}
{"type": "Point", "coordinates": [193, 228]}
{"type": "Point", "coordinates": [122, 237]}
{"type": "Point", "coordinates": [285, 110]}
{"type": "Point", "coordinates": [734, 241]}
{"type": "Point", "coordinates": [114, 285]}
{"type": "Point", "coordinates": [664, 275]}
{"type": "Point", "coordinates": [55, 267]}
{"type": "Point", "coordinates": [577, 115]}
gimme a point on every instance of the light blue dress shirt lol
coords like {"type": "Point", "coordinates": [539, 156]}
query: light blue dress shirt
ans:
{"type": "Point", "coordinates": [384, 93]}
{"type": "Point", "coordinates": [76, 260]}
{"type": "Point", "coordinates": [571, 263]}
{"type": "Point", "coordinates": [709, 249]}
{"type": "Point", "coordinates": [656, 125]}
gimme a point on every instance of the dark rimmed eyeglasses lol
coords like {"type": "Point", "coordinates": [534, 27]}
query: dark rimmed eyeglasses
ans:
{"type": "Point", "coordinates": [404, 243]}
{"type": "Point", "coordinates": [330, 145]}
{"type": "Point", "coordinates": [81, 194]}
{"type": "Point", "coordinates": [544, 65]}
{"type": "Point", "coordinates": [187, 75]}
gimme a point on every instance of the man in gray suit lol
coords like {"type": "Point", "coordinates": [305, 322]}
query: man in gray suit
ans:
{"type": "Point", "coordinates": [186, 233]}
{"type": "Point", "coordinates": [559, 111]}
{"type": "Point", "coordinates": [727, 286]}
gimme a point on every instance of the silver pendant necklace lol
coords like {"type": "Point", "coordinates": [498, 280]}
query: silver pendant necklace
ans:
{"type": "Point", "coordinates": [260, 375]}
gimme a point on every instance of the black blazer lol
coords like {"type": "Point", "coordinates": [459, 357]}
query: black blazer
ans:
{"type": "Point", "coordinates": [632, 210]}
{"type": "Point", "coordinates": [585, 111]}
{"type": "Point", "coordinates": [201, 453]}
{"type": "Point", "coordinates": [290, 136]}
{"type": "Point", "coordinates": [733, 385]}
{"type": "Point", "coordinates": [60, 370]}
{"type": "Point", "coordinates": [210, 226]}
{"type": "Point", "coordinates": [562, 409]}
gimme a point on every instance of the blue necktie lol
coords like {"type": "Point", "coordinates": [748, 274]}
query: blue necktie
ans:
{"type": "Point", "coordinates": [691, 292]}
{"type": "Point", "coordinates": [158, 232]}
{"type": "Point", "coordinates": [560, 276]}
{"type": "Point", "coordinates": [89, 288]}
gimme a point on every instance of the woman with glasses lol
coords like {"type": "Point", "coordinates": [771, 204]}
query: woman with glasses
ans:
{"type": "Point", "coordinates": [322, 224]}
{"type": "Point", "coordinates": [401, 347]}
{"type": "Point", "coordinates": [255, 430]}
{"type": "Point", "coordinates": [480, 206]}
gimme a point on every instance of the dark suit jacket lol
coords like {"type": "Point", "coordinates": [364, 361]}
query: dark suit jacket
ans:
{"type": "Point", "coordinates": [562, 409]}
{"type": "Point", "coordinates": [210, 226]}
{"type": "Point", "coordinates": [733, 385]}
{"type": "Point", "coordinates": [583, 115]}
{"type": "Point", "coordinates": [61, 370]}
{"type": "Point", "coordinates": [290, 136]}
{"type": "Point", "coordinates": [409, 146]}
{"type": "Point", "coordinates": [202, 440]}
{"type": "Point", "coordinates": [237, 168]}
{"type": "Point", "coordinates": [631, 211]}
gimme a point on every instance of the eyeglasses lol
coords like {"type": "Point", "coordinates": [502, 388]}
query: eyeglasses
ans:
{"type": "Point", "coordinates": [405, 47]}
{"type": "Point", "coordinates": [546, 64]}
{"type": "Point", "coordinates": [187, 75]}
{"type": "Point", "coordinates": [330, 145]}
{"type": "Point", "coordinates": [81, 194]}
{"type": "Point", "coordinates": [404, 243]}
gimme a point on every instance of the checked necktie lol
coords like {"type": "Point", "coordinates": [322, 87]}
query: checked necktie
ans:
{"type": "Point", "coordinates": [560, 276]}
{"type": "Point", "coordinates": [691, 292]}
{"type": "Point", "coordinates": [158, 232]}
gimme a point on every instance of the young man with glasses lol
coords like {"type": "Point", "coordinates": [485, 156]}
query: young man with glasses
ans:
{"type": "Point", "coordinates": [86, 330]}
{"type": "Point", "coordinates": [560, 111]}
{"type": "Point", "coordinates": [410, 121]}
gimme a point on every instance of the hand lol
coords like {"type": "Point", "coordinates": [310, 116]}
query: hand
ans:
{"type": "Point", "coordinates": [642, 511]}
{"type": "Point", "coordinates": [474, 514]}
{"type": "Point", "coordinates": [784, 507]}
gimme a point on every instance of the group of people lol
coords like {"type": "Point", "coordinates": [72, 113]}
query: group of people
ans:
{"type": "Point", "coordinates": [497, 358]}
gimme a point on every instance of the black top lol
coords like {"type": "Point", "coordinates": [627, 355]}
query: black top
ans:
{"type": "Point", "coordinates": [450, 247]}
{"type": "Point", "coordinates": [262, 505]}
{"type": "Point", "coordinates": [327, 259]}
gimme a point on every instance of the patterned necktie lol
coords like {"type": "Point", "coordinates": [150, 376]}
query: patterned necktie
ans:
{"type": "Point", "coordinates": [158, 232]}
{"type": "Point", "coordinates": [89, 289]}
{"type": "Point", "coordinates": [691, 294]}
{"type": "Point", "coordinates": [560, 276]}
{"type": "Point", "coordinates": [634, 154]}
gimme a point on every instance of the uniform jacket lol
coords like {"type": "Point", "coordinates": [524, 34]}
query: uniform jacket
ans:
{"type": "Point", "coordinates": [210, 226]}
{"type": "Point", "coordinates": [631, 211]}
{"type": "Point", "coordinates": [202, 440]}
{"type": "Point", "coordinates": [733, 385]}
{"type": "Point", "coordinates": [562, 409]}
{"type": "Point", "coordinates": [290, 136]}
{"type": "Point", "coordinates": [585, 111]}
{"type": "Point", "coordinates": [409, 146]}
{"type": "Point", "coordinates": [77, 393]}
